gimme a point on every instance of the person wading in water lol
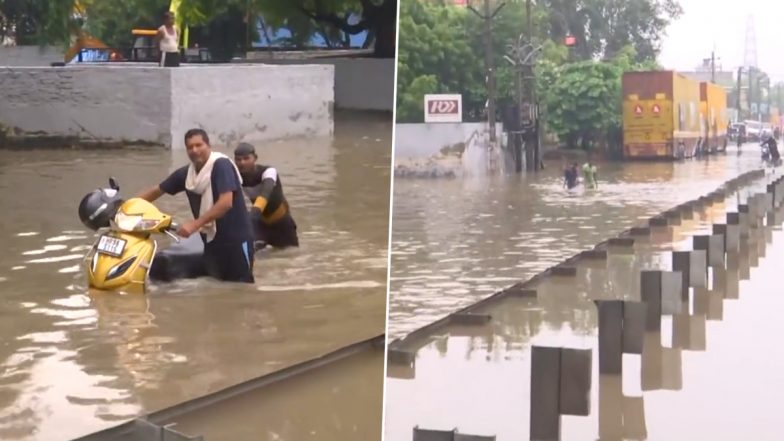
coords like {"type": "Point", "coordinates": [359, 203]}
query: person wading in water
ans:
{"type": "Point", "coordinates": [270, 215]}
{"type": "Point", "coordinates": [570, 176]}
{"type": "Point", "coordinates": [589, 174]}
{"type": "Point", "coordinates": [213, 186]}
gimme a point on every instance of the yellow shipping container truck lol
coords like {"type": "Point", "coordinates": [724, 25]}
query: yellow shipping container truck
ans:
{"type": "Point", "coordinates": [714, 118]}
{"type": "Point", "coordinates": [661, 115]}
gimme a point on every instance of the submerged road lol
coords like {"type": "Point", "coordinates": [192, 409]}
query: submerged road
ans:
{"type": "Point", "coordinates": [708, 371]}
{"type": "Point", "coordinates": [457, 241]}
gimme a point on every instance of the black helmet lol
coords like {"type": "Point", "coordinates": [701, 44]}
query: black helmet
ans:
{"type": "Point", "coordinates": [99, 207]}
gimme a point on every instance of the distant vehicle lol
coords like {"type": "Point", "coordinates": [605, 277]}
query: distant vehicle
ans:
{"type": "Point", "coordinates": [735, 130]}
{"type": "Point", "coordinates": [753, 130]}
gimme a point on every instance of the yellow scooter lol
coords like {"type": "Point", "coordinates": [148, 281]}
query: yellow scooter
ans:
{"type": "Point", "coordinates": [121, 257]}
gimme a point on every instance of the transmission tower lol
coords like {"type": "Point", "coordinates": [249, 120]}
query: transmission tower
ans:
{"type": "Point", "coordinates": [750, 56]}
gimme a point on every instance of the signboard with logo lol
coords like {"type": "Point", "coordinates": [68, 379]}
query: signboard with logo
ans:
{"type": "Point", "coordinates": [444, 108]}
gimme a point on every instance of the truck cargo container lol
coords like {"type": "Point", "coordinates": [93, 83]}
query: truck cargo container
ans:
{"type": "Point", "coordinates": [660, 115]}
{"type": "Point", "coordinates": [713, 118]}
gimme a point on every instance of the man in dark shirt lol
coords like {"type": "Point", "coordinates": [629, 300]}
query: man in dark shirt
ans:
{"type": "Point", "coordinates": [773, 148]}
{"type": "Point", "coordinates": [214, 190]}
{"type": "Point", "coordinates": [270, 214]}
{"type": "Point", "coordinates": [570, 176]}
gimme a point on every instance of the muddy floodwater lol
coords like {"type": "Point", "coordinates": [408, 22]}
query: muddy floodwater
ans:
{"type": "Point", "coordinates": [74, 362]}
{"type": "Point", "coordinates": [710, 372]}
{"type": "Point", "coordinates": [457, 241]}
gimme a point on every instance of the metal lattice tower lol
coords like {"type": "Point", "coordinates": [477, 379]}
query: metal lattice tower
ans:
{"type": "Point", "coordinates": [750, 55]}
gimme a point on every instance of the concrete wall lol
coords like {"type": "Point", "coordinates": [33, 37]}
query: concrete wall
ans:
{"type": "Point", "coordinates": [148, 104]}
{"type": "Point", "coordinates": [252, 102]}
{"type": "Point", "coordinates": [124, 104]}
{"type": "Point", "coordinates": [360, 83]}
{"type": "Point", "coordinates": [426, 139]}
{"type": "Point", "coordinates": [364, 83]}
{"type": "Point", "coordinates": [30, 56]}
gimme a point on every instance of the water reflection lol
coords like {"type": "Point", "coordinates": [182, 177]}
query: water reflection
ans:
{"type": "Point", "coordinates": [620, 417]}
{"type": "Point", "coordinates": [333, 404]}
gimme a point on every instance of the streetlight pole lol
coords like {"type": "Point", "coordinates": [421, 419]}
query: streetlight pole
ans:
{"type": "Point", "coordinates": [750, 100]}
{"type": "Point", "coordinates": [738, 100]}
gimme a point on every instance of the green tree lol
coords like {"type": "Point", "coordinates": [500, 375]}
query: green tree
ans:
{"type": "Point", "coordinates": [437, 38]}
{"type": "Point", "coordinates": [226, 20]}
{"type": "Point", "coordinates": [582, 100]}
{"type": "Point", "coordinates": [37, 21]}
{"type": "Point", "coordinates": [19, 19]}
{"type": "Point", "coordinates": [411, 103]}
{"type": "Point", "coordinates": [112, 21]}
{"type": "Point", "coordinates": [222, 25]}
{"type": "Point", "coordinates": [434, 43]}
{"type": "Point", "coordinates": [603, 27]}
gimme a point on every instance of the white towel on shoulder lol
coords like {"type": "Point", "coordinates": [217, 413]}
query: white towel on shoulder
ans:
{"type": "Point", "coordinates": [201, 184]}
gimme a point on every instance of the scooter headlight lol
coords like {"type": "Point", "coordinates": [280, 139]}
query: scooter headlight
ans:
{"type": "Point", "coordinates": [146, 225]}
{"type": "Point", "coordinates": [134, 222]}
{"type": "Point", "coordinates": [127, 222]}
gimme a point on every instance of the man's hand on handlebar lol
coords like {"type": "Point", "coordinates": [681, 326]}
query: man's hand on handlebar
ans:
{"type": "Point", "coordinates": [187, 229]}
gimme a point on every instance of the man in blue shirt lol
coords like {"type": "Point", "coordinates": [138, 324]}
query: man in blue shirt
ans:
{"type": "Point", "coordinates": [213, 186]}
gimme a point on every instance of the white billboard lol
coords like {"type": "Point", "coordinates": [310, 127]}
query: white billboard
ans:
{"type": "Point", "coordinates": [444, 108]}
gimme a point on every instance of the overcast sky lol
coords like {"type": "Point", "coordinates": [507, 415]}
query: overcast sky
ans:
{"type": "Point", "coordinates": [723, 23]}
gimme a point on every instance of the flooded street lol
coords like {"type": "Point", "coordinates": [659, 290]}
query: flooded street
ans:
{"type": "Point", "coordinates": [707, 373]}
{"type": "Point", "coordinates": [455, 242]}
{"type": "Point", "coordinates": [74, 362]}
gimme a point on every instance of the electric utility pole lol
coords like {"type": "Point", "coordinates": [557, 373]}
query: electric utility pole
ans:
{"type": "Point", "coordinates": [487, 17]}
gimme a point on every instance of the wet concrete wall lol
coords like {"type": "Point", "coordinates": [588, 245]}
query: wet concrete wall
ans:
{"type": "Point", "coordinates": [143, 104]}
{"type": "Point", "coordinates": [360, 83]}
{"type": "Point", "coordinates": [125, 104]}
{"type": "Point", "coordinates": [30, 55]}
{"type": "Point", "coordinates": [426, 139]}
{"type": "Point", "coordinates": [252, 103]}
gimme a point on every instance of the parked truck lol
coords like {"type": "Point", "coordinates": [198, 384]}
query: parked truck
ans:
{"type": "Point", "coordinates": [660, 115]}
{"type": "Point", "coordinates": [713, 118]}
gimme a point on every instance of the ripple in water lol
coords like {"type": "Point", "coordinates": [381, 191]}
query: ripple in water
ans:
{"type": "Point", "coordinates": [56, 259]}
{"type": "Point", "coordinates": [44, 250]}
{"type": "Point", "coordinates": [70, 269]}
{"type": "Point", "coordinates": [66, 237]}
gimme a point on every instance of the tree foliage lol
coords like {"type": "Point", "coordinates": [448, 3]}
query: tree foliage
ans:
{"type": "Point", "coordinates": [582, 100]}
{"type": "Point", "coordinates": [221, 25]}
{"type": "Point", "coordinates": [447, 42]}
{"type": "Point", "coordinates": [441, 51]}
{"type": "Point", "coordinates": [36, 21]}
{"type": "Point", "coordinates": [436, 56]}
{"type": "Point", "coordinates": [604, 27]}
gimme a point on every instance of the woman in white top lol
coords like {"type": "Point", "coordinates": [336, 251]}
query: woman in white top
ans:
{"type": "Point", "coordinates": [168, 41]}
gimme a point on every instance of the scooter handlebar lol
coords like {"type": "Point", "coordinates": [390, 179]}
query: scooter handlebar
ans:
{"type": "Point", "coordinates": [171, 230]}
